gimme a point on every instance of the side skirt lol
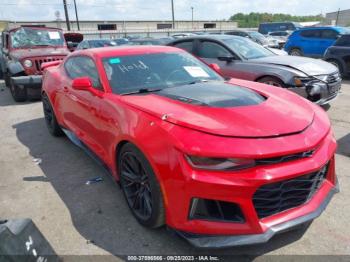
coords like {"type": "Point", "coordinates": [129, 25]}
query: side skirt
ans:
{"type": "Point", "coordinates": [72, 137]}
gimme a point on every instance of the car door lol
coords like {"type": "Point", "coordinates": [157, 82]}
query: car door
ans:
{"type": "Point", "coordinates": [209, 52]}
{"type": "Point", "coordinates": [309, 42]}
{"type": "Point", "coordinates": [328, 38]}
{"type": "Point", "coordinates": [81, 108]}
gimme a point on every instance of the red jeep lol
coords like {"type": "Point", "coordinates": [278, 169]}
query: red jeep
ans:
{"type": "Point", "coordinates": [23, 50]}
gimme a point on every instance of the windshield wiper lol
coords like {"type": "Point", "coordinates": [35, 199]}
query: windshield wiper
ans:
{"type": "Point", "coordinates": [43, 45]}
{"type": "Point", "coordinates": [142, 91]}
{"type": "Point", "coordinates": [195, 82]}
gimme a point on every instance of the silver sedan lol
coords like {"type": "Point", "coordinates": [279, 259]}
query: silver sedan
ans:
{"type": "Point", "coordinates": [239, 57]}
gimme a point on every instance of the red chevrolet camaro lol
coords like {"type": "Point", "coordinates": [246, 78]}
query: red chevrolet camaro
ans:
{"type": "Point", "coordinates": [223, 163]}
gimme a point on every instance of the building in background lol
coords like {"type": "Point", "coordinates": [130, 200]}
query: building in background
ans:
{"type": "Point", "coordinates": [110, 29]}
{"type": "Point", "coordinates": [3, 25]}
{"type": "Point", "coordinates": [343, 18]}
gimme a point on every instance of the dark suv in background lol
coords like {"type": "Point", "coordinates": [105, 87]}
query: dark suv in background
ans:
{"type": "Point", "coordinates": [313, 41]}
{"type": "Point", "coordinates": [339, 54]}
{"type": "Point", "coordinates": [265, 28]}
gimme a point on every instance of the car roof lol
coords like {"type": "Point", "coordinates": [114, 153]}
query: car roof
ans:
{"type": "Point", "coordinates": [99, 40]}
{"type": "Point", "coordinates": [286, 22]}
{"type": "Point", "coordinates": [35, 27]}
{"type": "Point", "coordinates": [127, 50]}
{"type": "Point", "coordinates": [338, 28]}
{"type": "Point", "coordinates": [218, 37]}
{"type": "Point", "coordinates": [144, 39]}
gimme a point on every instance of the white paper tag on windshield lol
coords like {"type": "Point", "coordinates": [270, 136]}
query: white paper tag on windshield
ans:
{"type": "Point", "coordinates": [54, 35]}
{"type": "Point", "coordinates": [196, 71]}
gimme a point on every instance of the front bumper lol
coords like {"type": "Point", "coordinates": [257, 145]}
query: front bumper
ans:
{"type": "Point", "coordinates": [239, 188]}
{"type": "Point", "coordinates": [32, 83]}
{"type": "Point", "coordinates": [317, 92]}
{"type": "Point", "coordinates": [202, 241]}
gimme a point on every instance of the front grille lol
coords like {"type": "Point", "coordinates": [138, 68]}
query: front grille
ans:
{"type": "Point", "coordinates": [273, 198]}
{"type": "Point", "coordinates": [333, 78]}
{"type": "Point", "coordinates": [38, 62]}
{"type": "Point", "coordinates": [286, 158]}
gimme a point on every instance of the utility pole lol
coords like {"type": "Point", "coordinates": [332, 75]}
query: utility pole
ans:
{"type": "Point", "coordinates": [192, 16]}
{"type": "Point", "coordinates": [172, 11]}
{"type": "Point", "coordinates": [66, 14]}
{"type": "Point", "coordinates": [336, 21]}
{"type": "Point", "coordinates": [76, 14]}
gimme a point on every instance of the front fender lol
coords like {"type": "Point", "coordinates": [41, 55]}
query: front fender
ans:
{"type": "Point", "coordinates": [284, 73]}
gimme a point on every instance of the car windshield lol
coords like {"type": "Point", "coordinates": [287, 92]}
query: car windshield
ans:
{"type": "Point", "coordinates": [131, 74]}
{"type": "Point", "coordinates": [247, 48]}
{"type": "Point", "coordinates": [257, 36]}
{"type": "Point", "coordinates": [29, 37]}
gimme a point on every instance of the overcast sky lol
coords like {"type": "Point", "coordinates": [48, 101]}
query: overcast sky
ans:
{"type": "Point", "coordinates": [161, 9]}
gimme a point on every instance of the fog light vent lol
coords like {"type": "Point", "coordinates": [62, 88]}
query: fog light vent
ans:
{"type": "Point", "coordinates": [214, 210]}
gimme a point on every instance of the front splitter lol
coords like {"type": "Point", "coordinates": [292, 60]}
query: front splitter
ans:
{"type": "Point", "coordinates": [212, 241]}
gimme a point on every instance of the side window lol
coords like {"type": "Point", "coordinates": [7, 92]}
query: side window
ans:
{"type": "Point", "coordinates": [187, 46]}
{"type": "Point", "coordinates": [85, 45]}
{"type": "Point", "coordinates": [343, 41]}
{"type": "Point", "coordinates": [81, 66]}
{"type": "Point", "coordinates": [212, 50]}
{"type": "Point", "coordinates": [311, 33]}
{"type": "Point", "coordinates": [329, 34]}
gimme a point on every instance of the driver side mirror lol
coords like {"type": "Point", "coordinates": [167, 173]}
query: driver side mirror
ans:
{"type": "Point", "coordinates": [82, 83]}
{"type": "Point", "coordinates": [85, 84]}
{"type": "Point", "coordinates": [227, 59]}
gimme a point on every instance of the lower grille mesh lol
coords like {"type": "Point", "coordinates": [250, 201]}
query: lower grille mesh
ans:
{"type": "Point", "coordinates": [273, 198]}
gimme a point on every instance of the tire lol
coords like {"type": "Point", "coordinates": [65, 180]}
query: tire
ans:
{"type": "Point", "coordinates": [272, 81]}
{"type": "Point", "coordinates": [337, 64]}
{"type": "Point", "coordinates": [140, 187]}
{"type": "Point", "coordinates": [7, 79]}
{"type": "Point", "coordinates": [50, 118]}
{"type": "Point", "coordinates": [18, 94]}
{"type": "Point", "coordinates": [295, 52]}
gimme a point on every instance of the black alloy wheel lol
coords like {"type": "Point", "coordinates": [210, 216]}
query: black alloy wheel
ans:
{"type": "Point", "coordinates": [50, 118]}
{"type": "Point", "coordinates": [140, 187]}
{"type": "Point", "coordinates": [136, 186]}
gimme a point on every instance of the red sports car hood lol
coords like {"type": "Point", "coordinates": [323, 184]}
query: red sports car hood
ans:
{"type": "Point", "coordinates": [229, 109]}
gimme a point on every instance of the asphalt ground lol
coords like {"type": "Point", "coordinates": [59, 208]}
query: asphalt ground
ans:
{"type": "Point", "coordinates": [79, 219]}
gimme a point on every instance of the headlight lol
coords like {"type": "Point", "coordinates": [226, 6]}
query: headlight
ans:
{"type": "Point", "coordinates": [322, 77]}
{"type": "Point", "coordinates": [301, 81]}
{"type": "Point", "coordinates": [221, 164]}
{"type": "Point", "coordinates": [27, 63]}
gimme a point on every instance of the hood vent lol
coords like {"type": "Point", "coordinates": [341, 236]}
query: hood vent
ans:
{"type": "Point", "coordinates": [213, 94]}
